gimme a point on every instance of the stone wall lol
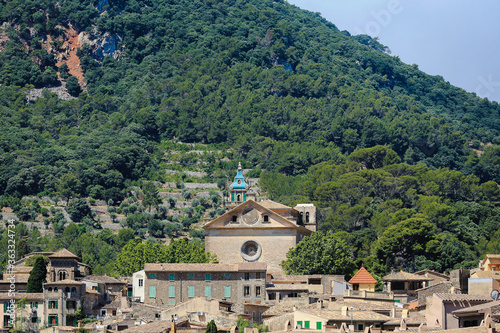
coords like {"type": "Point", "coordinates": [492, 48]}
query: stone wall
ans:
{"type": "Point", "coordinates": [423, 293]}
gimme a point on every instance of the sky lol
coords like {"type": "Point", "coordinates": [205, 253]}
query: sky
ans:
{"type": "Point", "coordinates": [456, 39]}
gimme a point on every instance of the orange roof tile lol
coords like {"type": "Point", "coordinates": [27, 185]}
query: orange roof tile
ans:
{"type": "Point", "coordinates": [63, 253]}
{"type": "Point", "coordinates": [362, 276]}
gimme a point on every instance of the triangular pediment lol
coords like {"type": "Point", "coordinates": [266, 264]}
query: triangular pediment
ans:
{"type": "Point", "coordinates": [251, 214]}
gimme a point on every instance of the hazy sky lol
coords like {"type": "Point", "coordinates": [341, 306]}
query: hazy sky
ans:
{"type": "Point", "coordinates": [456, 39]}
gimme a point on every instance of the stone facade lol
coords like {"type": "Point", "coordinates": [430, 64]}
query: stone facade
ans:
{"type": "Point", "coordinates": [170, 284]}
{"type": "Point", "coordinates": [422, 294]}
{"type": "Point", "coordinates": [256, 232]}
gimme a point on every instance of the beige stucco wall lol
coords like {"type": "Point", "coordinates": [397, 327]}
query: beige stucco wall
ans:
{"type": "Point", "coordinates": [367, 286]}
{"type": "Point", "coordinates": [482, 286]}
{"type": "Point", "coordinates": [275, 243]}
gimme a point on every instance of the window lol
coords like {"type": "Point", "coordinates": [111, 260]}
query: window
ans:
{"type": "Point", "coordinates": [190, 291]}
{"type": "Point", "coordinates": [141, 282]}
{"type": "Point", "coordinates": [227, 275]}
{"type": "Point", "coordinates": [70, 305]}
{"type": "Point", "coordinates": [114, 312]}
{"type": "Point", "coordinates": [208, 291]}
{"type": "Point", "coordinates": [234, 219]}
{"type": "Point", "coordinates": [53, 321]}
{"type": "Point", "coordinates": [73, 289]}
{"type": "Point", "coordinates": [227, 291]}
{"type": "Point", "coordinates": [152, 291]}
{"type": "Point", "coordinates": [171, 291]}
{"type": "Point", "coordinates": [266, 218]}
{"type": "Point", "coordinates": [318, 325]}
{"type": "Point", "coordinates": [191, 275]}
{"type": "Point", "coordinates": [95, 287]}
{"type": "Point", "coordinates": [307, 324]}
{"type": "Point", "coordinates": [34, 305]}
{"type": "Point", "coordinates": [152, 275]}
{"type": "Point", "coordinates": [307, 217]}
{"type": "Point", "coordinates": [56, 289]}
{"type": "Point", "coordinates": [171, 302]}
{"type": "Point", "coordinates": [53, 305]}
{"type": "Point", "coordinates": [361, 327]}
{"type": "Point", "coordinates": [49, 289]}
{"type": "Point", "coordinates": [208, 277]}
{"type": "Point", "coordinates": [246, 291]}
{"type": "Point", "coordinates": [257, 291]}
{"type": "Point", "coordinates": [171, 277]}
{"type": "Point", "coordinates": [257, 275]}
{"type": "Point", "coordinates": [299, 323]}
{"type": "Point", "coordinates": [247, 276]}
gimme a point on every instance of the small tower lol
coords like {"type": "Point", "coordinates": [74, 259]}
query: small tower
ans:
{"type": "Point", "coordinates": [237, 190]}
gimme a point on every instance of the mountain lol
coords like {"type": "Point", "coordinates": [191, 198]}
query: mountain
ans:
{"type": "Point", "coordinates": [330, 117]}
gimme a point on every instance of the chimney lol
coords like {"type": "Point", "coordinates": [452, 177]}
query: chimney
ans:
{"type": "Point", "coordinates": [319, 304]}
{"type": "Point", "coordinates": [405, 313]}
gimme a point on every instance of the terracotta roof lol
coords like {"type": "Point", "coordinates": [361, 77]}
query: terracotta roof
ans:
{"type": "Point", "coordinates": [18, 296]}
{"type": "Point", "coordinates": [404, 276]}
{"type": "Point", "coordinates": [102, 279]}
{"type": "Point", "coordinates": [358, 315]}
{"type": "Point", "coordinates": [155, 327]}
{"type": "Point", "coordinates": [284, 286]}
{"type": "Point", "coordinates": [358, 305]}
{"type": "Point", "coordinates": [492, 256]}
{"type": "Point", "coordinates": [493, 305]}
{"type": "Point", "coordinates": [427, 272]}
{"type": "Point", "coordinates": [63, 253]}
{"type": "Point", "coordinates": [437, 285]}
{"type": "Point", "coordinates": [486, 274]}
{"type": "Point", "coordinates": [269, 204]}
{"type": "Point", "coordinates": [241, 267]}
{"type": "Point", "coordinates": [62, 282]}
{"type": "Point", "coordinates": [116, 304]}
{"type": "Point", "coordinates": [463, 297]}
{"type": "Point", "coordinates": [278, 310]}
{"type": "Point", "coordinates": [20, 278]}
{"type": "Point", "coordinates": [362, 276]}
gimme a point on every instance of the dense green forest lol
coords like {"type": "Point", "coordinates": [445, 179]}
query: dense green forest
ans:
{"type": "Point", "coordinates": [282, 87]}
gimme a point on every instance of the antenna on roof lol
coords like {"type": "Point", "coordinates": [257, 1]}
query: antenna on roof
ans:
{"type": "Point", "coordinates": [495, 294]}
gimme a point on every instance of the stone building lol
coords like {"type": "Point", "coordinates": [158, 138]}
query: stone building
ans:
{"type": "Point", "coordinates": [259, 232]}
{"type": "Point", "coordinates": [170, 284]}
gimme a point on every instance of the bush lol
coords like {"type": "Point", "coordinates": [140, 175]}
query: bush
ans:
{"type": "Point", "coordinates": [73, 87]}
{"type": "Point", "coordinates": [78, 208]}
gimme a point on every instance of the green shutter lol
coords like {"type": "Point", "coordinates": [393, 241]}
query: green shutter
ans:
{"type": "Point", "coordinates": [318, 325]}
{"type": "Point", "coordinates": [227, 291]}
{"type": "Point", "coordinates": [5, 307]}
{"type": "Point", "coordinates": [191, 274]}
{"type": "Point", "coordinates": [67, 307]}
{"type": "Point", "coordinates": [299, 323]}
{"type": "Point", "coordinates": [208, 291]}
{"type": "Point", "coordinates": [244, 197]}
{"type": "Point", "coordinates": [307, 324]}
{"type": "Point", "coordinates": [208, 277]}
{"type": "Point", "coordinates": [36, 305]}
{"type": "Point", "coordinates": [232, 196]}
{"type": "Point", "coordinates": [191, 291]}
{"type": "Point", "coordinates": [57, 319]}
{"type": "Point", "coordinates": [152, 291]}
{"type": "Point", "coordinates": [74, 321]}
{"type": "Point", "coordinates": [56, 306]}
{"type": "Point", "coordinates": [171, 291]}
{"type": "Point", "coordinates": [171, 302]}
{"type": "Point", "coordinates": [171, 277]}
{"type": "Point", "coordinates": [227, 275]}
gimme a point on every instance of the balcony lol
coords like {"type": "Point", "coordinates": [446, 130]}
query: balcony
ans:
{"type": "Point", "coordinates": [364, 294]}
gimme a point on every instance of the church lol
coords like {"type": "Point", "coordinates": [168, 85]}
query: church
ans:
{"type": "Point", "coordinates": [257, 231]}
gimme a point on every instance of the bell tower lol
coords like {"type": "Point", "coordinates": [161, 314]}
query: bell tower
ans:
{"type": "Point", "coordinates": [238, 190]}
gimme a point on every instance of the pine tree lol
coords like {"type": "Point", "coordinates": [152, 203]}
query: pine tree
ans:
{"type": "Point", "coordinates": [38, 276]}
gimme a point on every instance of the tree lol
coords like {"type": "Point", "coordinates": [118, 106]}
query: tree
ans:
{"type": "Point", "coordinates": [78, 208]}
{"type": "Point", "coordinates": [73, 86]}
{"type": "Point", "coordinates": [68, 186]}
{"type": "Point", "coordinates": [211, 327]}
{"type": "Point", "coordinates": [38, 276]}
{"type": "Point", "coordinates": [150, 193]}
{"type": "Point", "coordinates": [319, 253]}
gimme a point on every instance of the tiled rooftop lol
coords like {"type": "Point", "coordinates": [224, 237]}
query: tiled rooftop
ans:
{"type": "Point", "coordinates": [63, 253]}
{"type": "Point", "coordinates": [241, 267]}
{"type": "Point", "coordinates": [362, 276]}
{"type": "Point", "coordinates": [358, 315]}
{"type": "Point", "coordinates": [269, 204]}
{"type": "Point", "coordinates": [102, 279]}
{"type": "Point", "coordinates": [463, 297]}
{"type": "Point", "coordinates": [403, 276]}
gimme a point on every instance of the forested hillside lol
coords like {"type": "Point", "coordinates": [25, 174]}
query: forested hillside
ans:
{"type": "Point", "coordinates": [284, 88]}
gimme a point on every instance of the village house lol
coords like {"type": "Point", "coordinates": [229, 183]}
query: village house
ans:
{"type": "Point", "coordinates": [404, 285]}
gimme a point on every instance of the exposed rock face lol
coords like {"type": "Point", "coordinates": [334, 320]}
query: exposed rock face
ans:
{"type": "Point", "coordinates": [60, 91]}
{"type": "Point", "coordinates": [105, 46]}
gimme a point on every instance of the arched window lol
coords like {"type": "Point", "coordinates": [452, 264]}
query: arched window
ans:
{"type": "Point", "coordinates": [301, 218]}
{"type": "Point", "coordinates": [66, 290]}
{"type": "Point", "coordinates": [62, 275]}
{"type": "Point", "coordinates": [56, 289]}
{"type": "Point", "coordinates": [238, 197]}
{"type": "Point", "coordinates": [49, 289]}
{"type": "Point", "coordinates": [307, 217]}
{"type": "Point", "coordinates": [73, 290]}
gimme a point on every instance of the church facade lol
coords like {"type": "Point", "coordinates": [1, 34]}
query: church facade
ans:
{"type": "Point", "coordinates": [257, 231]}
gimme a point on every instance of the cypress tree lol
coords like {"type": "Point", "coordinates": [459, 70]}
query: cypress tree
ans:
{"type": "Point", "coordinates": [38, 275]}
{"type": "Point", "coordinates": [211, 327]}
